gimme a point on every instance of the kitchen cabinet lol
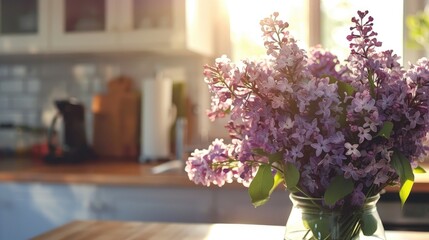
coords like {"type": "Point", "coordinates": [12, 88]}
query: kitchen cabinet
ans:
{"type": "Point", "coordinates": [30, 209]}
{"type": "Point", "coordinates": [157, 204]}
{"type": "Point", "coordinates": [167, 26]}
{"type": "Point", "coordinates": [84, 25]}
{"type": "Point", "coordinates": [234, 206]}
{"type": "Point", "coordinates": [69, 26]}
{"type": "Point", "coordinates": [42, 207]}
{"type": "Point", "coordinates": [24, 26]}
{"type": "Point", "coordinates": [8, 210]}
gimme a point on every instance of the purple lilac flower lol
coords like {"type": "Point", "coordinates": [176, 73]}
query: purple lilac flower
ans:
{"type": "Point", "coordinates": [323, 116]}
{"type": "Point", "coordinates": [352, 149]}
{"type": "Point", "coordinates": [364, 134]}
{"type": "Point", "coordinates": [322, 145]}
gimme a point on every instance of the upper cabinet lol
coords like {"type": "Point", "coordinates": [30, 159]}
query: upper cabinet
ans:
{"type": "Point", "coordinates": [24, 26]}
{"type": "Point", "coordinates": [167, 26]}
{"type": "Point", "coordinates": [84, 25]}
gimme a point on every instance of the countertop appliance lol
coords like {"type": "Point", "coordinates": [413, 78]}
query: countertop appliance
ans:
{"type": "Point", "coordinates": [73, 147]}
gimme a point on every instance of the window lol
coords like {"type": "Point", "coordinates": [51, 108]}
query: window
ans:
{"type": "Point", "coordinates": [336, 19]}
{"type": "Point", "coordinates": [320, 21]}
{"type": "Point", "coordinates": [246, 34]}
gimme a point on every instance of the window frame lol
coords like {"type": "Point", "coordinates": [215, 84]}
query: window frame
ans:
{"type": "Point", "coordinates": [409, 7]}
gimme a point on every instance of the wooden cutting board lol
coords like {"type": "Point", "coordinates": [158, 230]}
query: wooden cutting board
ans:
{"type": "Point", "coordinates": [117, 120]}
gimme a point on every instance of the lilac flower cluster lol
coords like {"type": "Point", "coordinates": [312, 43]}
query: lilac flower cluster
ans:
{"type": "Point", "coordinates": [322, 116]}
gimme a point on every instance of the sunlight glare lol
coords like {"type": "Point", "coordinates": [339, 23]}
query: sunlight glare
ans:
{"type": "Point", "coordinates": [245, 16]}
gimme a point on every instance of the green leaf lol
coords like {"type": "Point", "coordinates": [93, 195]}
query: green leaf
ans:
{"type": "Point", "coordinates": [278, 178]}
{"type": "Point", "coordinates": [272, 158]}
{"type": "Point", "coordinates": [338, 189]}
{"type": "Point", "coordinates": [259, 151]}
{"type": "Point", "coordinates": [261, 185]}
{"type": "Point", "coordinates": [386, 130]}
{"type": "Point", "coordinates": [291, 177]}
{"type": "Point", "coordinates": [319, 224]}
{"type": "Point", "coordinates": [419, 169]}
{"type": "Point", "coordinates": [405, 190]}
{"type": "Point", "coordinates": [369, 224]}
{"type": "Point", "coordinates": [343, 87]}
{"type": "Point", "coordinates": [371, 82]}
{"type": "Point", "coordinates": [403, 168]}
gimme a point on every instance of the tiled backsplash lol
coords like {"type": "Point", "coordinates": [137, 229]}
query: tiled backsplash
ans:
{"type": "Point", "coordinates": [30, 84]}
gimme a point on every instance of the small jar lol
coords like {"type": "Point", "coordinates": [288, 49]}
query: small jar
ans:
{"type": "Point", "coordinates": [309, 219]}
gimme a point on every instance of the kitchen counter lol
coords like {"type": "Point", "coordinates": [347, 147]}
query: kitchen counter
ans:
{"type": "Point", "coordinates": [157, 231]}
{"type": "Point", "coordinates": [100, 171]}
{"type": "Point", "coordinates": [39, 197]}
{"type": "Point", "coordinates": [120, 172]}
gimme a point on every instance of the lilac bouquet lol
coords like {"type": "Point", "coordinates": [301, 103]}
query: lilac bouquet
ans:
{"type": "Point", "coordinates": [324, 129]}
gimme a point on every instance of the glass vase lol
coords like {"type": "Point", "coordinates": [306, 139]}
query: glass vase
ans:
{"type": "Point", "coordinates": [310, 220]}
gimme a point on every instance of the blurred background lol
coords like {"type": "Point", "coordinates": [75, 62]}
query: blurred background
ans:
{"type": "Point", "coordinates": [102, 81]}
{"type": "Point", "coordinates": [60, 49]}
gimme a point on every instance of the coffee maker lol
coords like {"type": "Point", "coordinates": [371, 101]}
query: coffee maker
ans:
{"type": "Point", "coordinates": [73, 148]}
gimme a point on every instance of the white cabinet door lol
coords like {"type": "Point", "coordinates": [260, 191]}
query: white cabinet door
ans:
{"type": "Point", "coordinates": [27, 210]}
{"type": "Point", "coordinates": [8, 219]}
{"type": "Point", "coordinates": [43, 207]}
{"type": "Point", "coordinates": [67, 26]}
{"type": "Point", "coordinates": [235, 206]}
{"type": "Point", "coordinates": [24, 26]}
{"type": "Point", "coordinates": [167, 26]}
{"type": "Point", "coordinates": [158, 204]}
{"type": "Point", "coordinates": [84, 25]}
{"type": "Point", "coordinates": [8, 210]}
{"type": "Point", "coordinates": [155, 25]}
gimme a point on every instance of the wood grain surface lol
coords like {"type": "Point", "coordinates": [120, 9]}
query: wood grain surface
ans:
{"type": "Point", "coordinates": [111, 230]}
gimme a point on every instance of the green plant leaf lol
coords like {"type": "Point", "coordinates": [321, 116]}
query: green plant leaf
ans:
{"type": "Point", "coordinates": [419, 169]}
{"type": "Point", "coordinates": [338, 189]}
{"type": "Point", "coordinates": [278, 178]}
{"type": "Point", "coordinates": [272, 158]}
{"type": "Point", "coordinates": [418, 30]}
{"type": "Point", "coordinates": [386, 130]}
{"type": "Point", "coordinates": [261, 185]}
{"type": "Point", "coordinates": [405, 190]}
{"type": "Point", "coordinates": [369, 224]}
{"type": "Point", "coordinates": [291, 177]}
{"type": "Point", "coordinates": [403, 168]}
{"type": "Point", "coordinates": [259, 151]}
{"type": "Point", "coordinates": [319, 224]}
{"type": "Point", "coordinates": [343, 87]}
{"type": "Point", "coordinates": [371, 82]}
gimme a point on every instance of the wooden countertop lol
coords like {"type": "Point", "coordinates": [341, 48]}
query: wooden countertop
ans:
{"type": "Point", "coordinates": [101, 171]}
{"type": "Point", "coordinates": [119, 172]}
{"type": "Point", "coordinates": [113, 230]}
